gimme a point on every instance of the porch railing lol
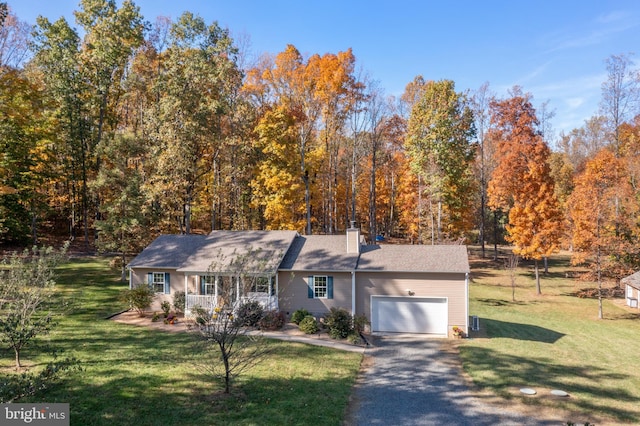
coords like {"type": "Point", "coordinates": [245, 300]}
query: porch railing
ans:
{"type": "Point", "coordinates": [209, 302]}
{"type": "Point", "coordinates": [205, 302]}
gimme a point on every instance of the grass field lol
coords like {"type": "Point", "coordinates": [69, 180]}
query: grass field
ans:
{"type": "Point", "coordinates": [554, 341]}
{"type": "Point", "coordinates": [134, 375]}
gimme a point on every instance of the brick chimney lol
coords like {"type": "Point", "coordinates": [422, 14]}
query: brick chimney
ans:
{"type": "Point", "coordinates": [353, 239]}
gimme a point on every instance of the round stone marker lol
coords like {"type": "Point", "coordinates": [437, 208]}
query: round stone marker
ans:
{"type": "Point", "coordinates": [528, 391]}
{"type": "Point", "coordinates": [557, 392]}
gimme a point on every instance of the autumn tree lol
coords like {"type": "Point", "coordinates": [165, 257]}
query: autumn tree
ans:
{"type": "Point", "coordinates": [297, 95]}
{"type": "Point", "coordinates": [24, 144]}
{"type": "Point", "coordinates": [620, 94]}
{"type": "Point", "coordinates": [521, 183]}
{"type": "Point", "coordinates": [199, 72]}
{"type": "Point", "coordinates": [438, 142]}
{"type": "Point", "coordinates": [335, 89]}
{"type": "Point", "coordinates": [85, 79]}
{"type": "Point", "coordinates": [277, 185]}
{"type": "Point", "coordinates": [604, 211]}
{"type": "Point", "coordinates": [56, 47]}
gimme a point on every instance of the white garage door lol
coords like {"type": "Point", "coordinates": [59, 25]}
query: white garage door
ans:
{"type": "Point", "coordinates": [409, 314]}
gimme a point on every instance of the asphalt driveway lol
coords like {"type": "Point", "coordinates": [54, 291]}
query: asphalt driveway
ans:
{"type": "Point", "coordinates": [413, 382]}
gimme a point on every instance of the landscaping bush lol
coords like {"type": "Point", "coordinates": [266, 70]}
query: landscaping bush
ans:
{"type": "Point", "coordinates": [179, 300]}
{"type": "Point", "coordinates": [166, 308]}
{"type": "Point", "coordinates": [339, 322]}
{"type": "Point", "coordinates": [309, 325]}
{"type": "Point", "coordinates": [139, 298]}
{"type": "Point", "coordinates": [299, 315]}
{"type": "Point", "coordinates": [250, 313]}
{"type": "Point", "coordinates": [272, 320]}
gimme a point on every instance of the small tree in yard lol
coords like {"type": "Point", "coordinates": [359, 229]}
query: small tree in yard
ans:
{"type": "Point", "coordinates": [511, 264]}
{"type": "Point", "coordinates": [223, 333]}
{"type": "Point", "coordinates": [27, 304]}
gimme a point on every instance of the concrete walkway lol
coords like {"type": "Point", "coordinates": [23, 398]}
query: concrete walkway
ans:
{"type": "Point", "coordinates": [314, 340]}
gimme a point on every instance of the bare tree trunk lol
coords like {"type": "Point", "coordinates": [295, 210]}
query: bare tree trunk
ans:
{"type": "Point", "coordinates": [538, 289]}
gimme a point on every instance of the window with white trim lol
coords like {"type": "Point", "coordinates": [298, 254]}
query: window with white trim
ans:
{"type": "Point", "coordinates": [261, 285]}
{"type": "Point", "coordinates": [158, 282]}
{"type": "Point", "coordinates": [208, 285]}
{"type": "Point", "coordinates": [320, 287]}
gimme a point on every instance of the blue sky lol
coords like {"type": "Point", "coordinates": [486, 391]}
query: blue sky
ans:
{"type": "Point", "coordinates": [555, 50]}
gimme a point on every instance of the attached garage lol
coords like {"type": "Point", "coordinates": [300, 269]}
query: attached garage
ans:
{"type": "Point", "coordinates": [428, 315]}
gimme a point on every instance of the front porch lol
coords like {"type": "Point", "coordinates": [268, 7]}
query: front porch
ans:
{"type": "Point", "coordinates": [210, 302]}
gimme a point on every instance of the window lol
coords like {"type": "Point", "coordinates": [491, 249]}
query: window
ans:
{"type": "Point", "coordinates": [159, 282]}
{"type": "Point", "coordinates": [208, 285]}
{"type": "Point", "coordinates": [261, 285]}
{"type": "Point", "coordinates": [320, 287]}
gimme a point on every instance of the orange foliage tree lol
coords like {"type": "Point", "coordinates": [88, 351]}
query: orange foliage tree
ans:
{"type": "Point", "coordinates": [521, 183]}
{"type": "Point", "coordinates": [604, 214]}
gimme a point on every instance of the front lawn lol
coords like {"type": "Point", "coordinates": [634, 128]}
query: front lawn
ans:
{"type": "Point", "coordinates": [554, 341]}
{"type": "Point", "coordinates": [135, 375]}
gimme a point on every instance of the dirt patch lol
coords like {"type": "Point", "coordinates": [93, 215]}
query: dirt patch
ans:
{"type": "Point", "coordinates": [134, 318]}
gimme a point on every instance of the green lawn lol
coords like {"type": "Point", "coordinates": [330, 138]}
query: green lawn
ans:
{"type": "Point", "coordinates": [554, 341]}
{"type": "Point", "coordinates": [134, 375]}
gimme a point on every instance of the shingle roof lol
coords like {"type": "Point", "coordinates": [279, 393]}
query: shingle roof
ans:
{"type": "Point", "coordinates": [168, 251]}
{"type": "Point", "coordinates": [267, 251]}
{"type": "Point", "coordinates": [414, 258]}
{"type": "Point", "coordinates": [258, 251]}
{"type": "Point", "coordinates": [319, 253]}
{"type": "Point", "coordinates": [633, 280]}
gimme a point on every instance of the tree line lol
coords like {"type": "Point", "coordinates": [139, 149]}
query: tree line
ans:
{"type": "Point", "coordinates": [121, 129]}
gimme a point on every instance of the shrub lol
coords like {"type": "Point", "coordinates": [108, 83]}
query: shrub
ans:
{"type": "Point", "coordinates": [299, 315]}
{"type": "Point", "coordinates": [360, 322]}
{"type": "Point", "coordinates": [155, 317]}
{"type": "Point", "coordinates": [339, 322]}
{"type": "Point", "coordinates": [138, 298]}
{"type": "Point", "coordinates": [309, 325]}
{"type": "Point", "coordinates": [166, 307]}
{"type": "Point", "coordinates": [179, 300]}
{"type": "Point", "coordinates": [272, 320]}
{"type": "Point", "coordinates": [250, 313]}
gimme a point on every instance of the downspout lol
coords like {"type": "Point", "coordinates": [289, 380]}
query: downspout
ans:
{"type": "Point", "coordinates": [130, 279]}
{"type": "Point", "coordinates": [277, 298]}
{"type": "Point", "coordinates": [466, 294]}
{"type": "Point", "coordinates": [353, 293]}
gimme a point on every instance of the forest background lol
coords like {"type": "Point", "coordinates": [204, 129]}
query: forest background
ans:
{"type": "Point", "coordinates": [123, 129]}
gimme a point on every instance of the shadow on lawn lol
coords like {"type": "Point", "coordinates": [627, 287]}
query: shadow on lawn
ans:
{"type": "Point", "coordinates": [511, 330]}
{"type": "Point", "coordinates": [506, 372]}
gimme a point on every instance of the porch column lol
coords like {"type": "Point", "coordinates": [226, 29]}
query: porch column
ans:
{"type": "Point", "coordinates": [130, 279]}
{"type": "Point", "coordinates": [186, 284]}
